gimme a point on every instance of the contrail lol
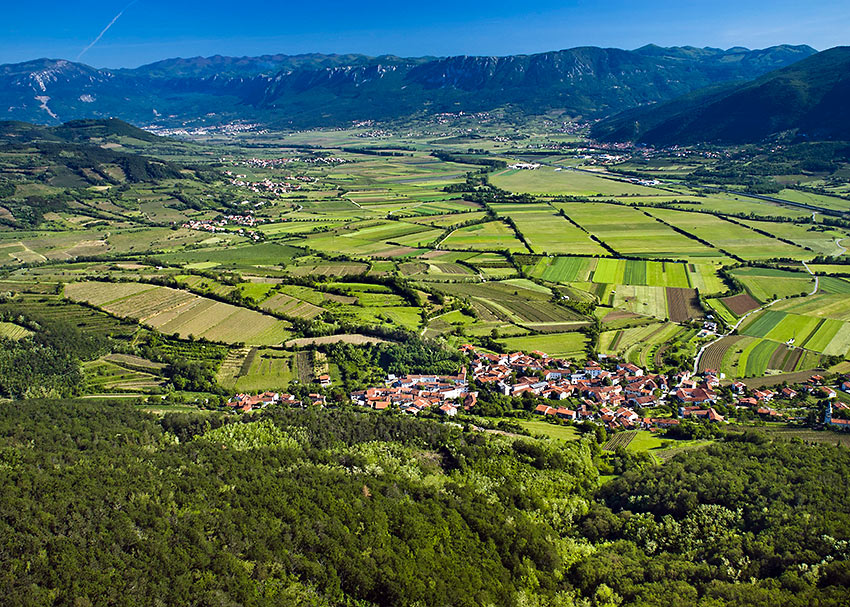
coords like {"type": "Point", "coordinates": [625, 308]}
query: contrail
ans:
{"type": "Point", "coordinates": [100, 35]}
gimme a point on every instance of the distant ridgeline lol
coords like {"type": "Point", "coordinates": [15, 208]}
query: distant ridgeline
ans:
{"type": "Point", "coordinates": [808, 99]}
{"type": "Point", "coordinates": [326, 90]}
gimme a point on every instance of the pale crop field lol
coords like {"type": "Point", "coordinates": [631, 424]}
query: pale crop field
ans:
{"type": "Point", "coordinates": [175, 311]}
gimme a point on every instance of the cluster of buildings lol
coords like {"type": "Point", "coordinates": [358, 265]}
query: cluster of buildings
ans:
{"type": "Point", "coordinates": [267, 186]}
{"type": "Point", "coordinates": [264, 163]}
{"type": "Point", "coordinates": [249, 402]}
{"type": "Point", "coordinates": [416, 393]}
{"type": "Point", "coordinates": [271, 163]}
{"type": "Point", "coordinates": [220, 225]}
{"type": "Point", "coordinates": [616, 398]}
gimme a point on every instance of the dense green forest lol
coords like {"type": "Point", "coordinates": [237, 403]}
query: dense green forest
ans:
{"type": "Point", "coordinates": [104, 504]}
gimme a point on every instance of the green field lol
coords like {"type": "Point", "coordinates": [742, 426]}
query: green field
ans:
{"type": "Point", "coordinates": [490, 236]}
{"type": "Point", "coordinates": [380, 238]}
{"type": "Point", "coordinates": [630, 231]}
{"type": "Point", "coordinates": [564, 269]}
{"type": "Point", "coordinates": [569, 345]}
{"type": "Point", "coordinates": [546, 180]}
{"type": "Point", "coordinates": [766, 284]}
{"type": "Point", "coordinates": [731, 237]}
{"type": "Point", "coordinates": [551, 431]}
{"type": "Point", "coordinates": [546, 232]}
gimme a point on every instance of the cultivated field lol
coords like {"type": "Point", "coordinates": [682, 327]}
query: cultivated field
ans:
{"type": "Point", "coordinates": [730, 237]}
{"type": "Point", "coordinates": [567, 345]}
{"type": "Point", "coordinates": [547, 232]}
{"type": "Point", "coordinates": [631, 231]}
{"type": "Point", "coordinates": [173, 311]}
{"type": "Point", "coordinates": [546, 180]}
{"type": "Point", "coordinates": [490, 236]}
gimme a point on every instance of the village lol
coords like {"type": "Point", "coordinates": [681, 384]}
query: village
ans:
{"type": "Point", "coordinates": [221, 225]}
{"type": "Point", "coordinates": [621, 397]}
{"type": "Point", "coordinates": [267, 186]}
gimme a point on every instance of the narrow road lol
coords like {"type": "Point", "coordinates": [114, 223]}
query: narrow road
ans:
{"type": "Point", "coordinates": [838, 244]}
{"type": "Point", "coordinates": [702, 350]}
{"type": "Point", "coordinates": [443, 239]}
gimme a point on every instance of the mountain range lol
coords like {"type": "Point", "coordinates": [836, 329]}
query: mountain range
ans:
{"type": "Point", "coordinates": [808, 100]}
{"type": "Point", "coordinates": [330, 90]}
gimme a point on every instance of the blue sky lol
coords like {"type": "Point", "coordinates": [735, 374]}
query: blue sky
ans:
{"type": "Point", "coordinates": [149, 30]}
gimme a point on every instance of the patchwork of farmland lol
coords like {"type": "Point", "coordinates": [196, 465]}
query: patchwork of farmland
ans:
{"type": "Point", "coordinates": [731, 237]}
{"type": "Point", "coordinates": [175, 311]}
{"type": "Point", "coordinates": [638, 344]}
{"type": "Point", "coordinates": [547, 232]}
{"type": "Point", "coordinates": [630, 231]}
{"type": "Point", "coordinates": [741, 356]}
{"type": "Point", "coordinates": [547, 180]}
{"type": "Point", "coordinates": [373, 237]}
{"type": "Point", "coordinates": [517, 303]}
{"type": "Point", "coordinates": [826, 335]}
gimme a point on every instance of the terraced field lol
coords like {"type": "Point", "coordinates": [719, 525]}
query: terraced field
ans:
{"type": "Point", "coordinates": [52, 307]}
{"type": "Point", "coordinates": [109, 376]}
{"type": "Point", "coordinates": [9, 330]}
{"type": "Point", "coordinates": [281, 303]}
{"type": "Point", "coordinates": [182, 313]}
